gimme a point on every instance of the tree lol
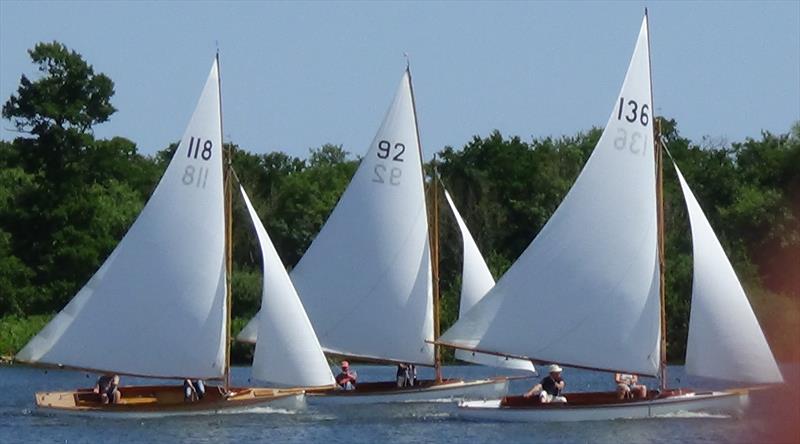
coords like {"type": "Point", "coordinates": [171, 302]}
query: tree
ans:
{"type": "Point", "coordinates": [59, 108]}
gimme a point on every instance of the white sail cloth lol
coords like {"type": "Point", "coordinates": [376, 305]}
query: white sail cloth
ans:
{"type": "Point", "coordinates": [289, 353]}
{"type": "Point", "coordinates": [156, 307]}
{"type": "Point", "coordinates": [725, 341]}
{"type": "Point", "coordinates": [585, 292]}
{"type": "Point", "coordinates": [365, 281]}
{"type": "Point", "coordinates": [476, 281]}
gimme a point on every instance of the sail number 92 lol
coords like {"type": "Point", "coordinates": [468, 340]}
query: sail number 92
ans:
{"type": "Point", "coordinates": [386, 174]}
{"type": "Point", "coordinates": [632, 112]}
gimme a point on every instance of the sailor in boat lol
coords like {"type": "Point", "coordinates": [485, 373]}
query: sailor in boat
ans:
{"type": "Point", "coordinates": [193, 390]}
{"type": "Point", "coordinates": [550, 387]}
{"type": "Point", "coordinates": [108, 388]}
{"type": "Point", "coordinates": [346, 380]}
{"type": "Point", "coordinates": [406, 375]}
{"type": "Point", "coordinates": [628, 386]}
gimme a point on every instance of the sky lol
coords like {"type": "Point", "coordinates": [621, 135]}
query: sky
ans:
{"type": "Point", "coordinates": [297, 75]}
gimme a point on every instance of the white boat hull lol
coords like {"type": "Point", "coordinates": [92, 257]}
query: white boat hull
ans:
{"type": "Point", "coordinates": [728, 402]}
{"type": "Point", "coordinates": [448, 392]}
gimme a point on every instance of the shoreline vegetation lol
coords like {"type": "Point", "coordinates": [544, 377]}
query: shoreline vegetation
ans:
{"type": "Point", "coordinates": [67, 198]}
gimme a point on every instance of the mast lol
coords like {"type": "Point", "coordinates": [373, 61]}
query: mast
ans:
{"type": "Point", "coordinates": [228, 178]}
{"type": "Point", "coordinates": [433, 231]}
{"type": "Point", "coordinates": [659, 161]}
{"type": "Point", "coordinates": [437, 350]}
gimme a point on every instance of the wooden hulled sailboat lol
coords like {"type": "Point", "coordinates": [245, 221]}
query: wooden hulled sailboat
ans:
{"type": "Point", "coordinates": [594, 274]}
{"type": "Point", "coordinates": [159, 306]}
{"type": "Point", "coordinates": [367, 281]}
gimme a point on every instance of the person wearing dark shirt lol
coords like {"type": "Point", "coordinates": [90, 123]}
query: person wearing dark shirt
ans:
{"type": "Point", "coordinates": [108, 389]}
{"type": "Point", "coordinates": [550, 387]}
{"type": "Point", "coordinates": [406, 375]}
{"type": "Point", "coordinates": [346, 379]}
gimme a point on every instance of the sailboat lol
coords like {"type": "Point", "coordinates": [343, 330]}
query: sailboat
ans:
{"type": "Point", "coordinates": [597, 270]}
{"type": "Point", "coordinates": [476, 281]}
{"type": "Point", "coordinates": [159, 307]}
{"type": "Point", "coordinates": [368, 282]}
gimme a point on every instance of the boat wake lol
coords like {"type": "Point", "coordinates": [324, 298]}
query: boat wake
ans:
{"type": "Point", "coordinates": [260, 410]}
{"type": "Point", "coordinates": [701, 415]}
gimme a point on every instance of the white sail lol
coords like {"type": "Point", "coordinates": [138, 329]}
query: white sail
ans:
{"type": "Point", "coordinates": [476, 281]}
{"type": "Point", "coordinates": [156, 307]}
{"type": "Point", "coordinates": [725, 341]}
{"type": "Point", "coordinates": [585, 292]}
{"type": "Point", "coordinates": [288, 353]}
{"type": "Point", "coordinates": [365, 281]}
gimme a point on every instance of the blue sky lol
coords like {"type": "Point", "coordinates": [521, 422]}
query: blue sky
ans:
{"type": "Point", "coordinates": [298, 75]}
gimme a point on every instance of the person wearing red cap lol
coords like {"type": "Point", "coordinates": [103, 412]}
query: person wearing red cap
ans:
{"type": "Point", "coordinates": [346, 379]}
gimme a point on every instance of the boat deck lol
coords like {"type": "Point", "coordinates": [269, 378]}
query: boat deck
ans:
{"type": "Point", "coordinates": [160, 398]}
{"type": "Point", "coordinates": [588, 399]}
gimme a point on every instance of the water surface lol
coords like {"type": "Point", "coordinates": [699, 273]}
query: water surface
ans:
{"type": "Point", "coordinates": [768, 419]}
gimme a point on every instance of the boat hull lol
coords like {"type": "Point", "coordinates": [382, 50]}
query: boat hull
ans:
{"type": "Point", "coordinates": [728, 402]}
{"type": "Point", "coordinates": [157, 401]}
{"type": "Point", "coordinates": [451, 390]}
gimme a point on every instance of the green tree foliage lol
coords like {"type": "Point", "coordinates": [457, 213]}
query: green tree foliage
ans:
{"type": "Point", "coordinates": [70, 197]}
{"type": "Point", "coordinates": [67, 199]}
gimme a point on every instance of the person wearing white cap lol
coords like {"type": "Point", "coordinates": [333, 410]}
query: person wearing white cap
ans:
{"type": "Point", "coordinates": [550, 387]}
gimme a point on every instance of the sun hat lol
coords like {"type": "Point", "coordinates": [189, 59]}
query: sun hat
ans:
{"type": "Point", "coordinates": [554, 368]}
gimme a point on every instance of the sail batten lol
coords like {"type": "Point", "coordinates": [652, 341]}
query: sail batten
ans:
{"type": "Point", "coordinates": [725, 341]}
{"type": "Point", "coordinates": [585, 291]}
{"type": "Point", "coordinates": [165, 280]}
{"type": "Point", "coordinates": [288, 353]}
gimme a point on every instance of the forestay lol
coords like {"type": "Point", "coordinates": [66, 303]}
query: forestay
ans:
{"type": "Point", "coordinates": [366, 278]}
{"type": "Point", "coordinates": [476, 281]}
{"type": "Point", "coordinates": [725, 341]}
{"type": "Point", "coordinates": [585, 292]}
{"type": "Point", "coordinates": [288, 353]}
{"type": "Point", "coordinates": [156, 307]}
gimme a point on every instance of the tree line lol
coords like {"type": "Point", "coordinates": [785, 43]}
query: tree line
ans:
{"type": "Point", "coordinates": [67, 198]}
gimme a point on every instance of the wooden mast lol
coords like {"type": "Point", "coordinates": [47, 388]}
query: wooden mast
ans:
{"type": "Point", "coordinates": [659, 161]}
{"type": "Point", "coordinates": [437, 350]}
{"type": "Point", "coordinates": [433, 231]}
{"type": "Point", "coordinates": [227, 170]}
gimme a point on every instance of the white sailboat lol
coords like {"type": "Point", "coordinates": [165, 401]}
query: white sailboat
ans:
{"type": "Point", "coordinates": [159, 305]}
{"type": "Point", "coordinates": [595, 273]}
{"type": "Point", "coordinates": [476, 281]}
{"type": "Point", "coordinates": [367, 279]}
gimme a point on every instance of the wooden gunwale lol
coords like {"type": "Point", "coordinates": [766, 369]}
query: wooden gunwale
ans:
{"type": "Point", "coordinates": [154, 399]}
{"type": "Point", "coordinates": [390, 387]}
{"type": "Point", "coordinates": [594, 400]}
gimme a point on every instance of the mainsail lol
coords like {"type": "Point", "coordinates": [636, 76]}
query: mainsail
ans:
{"type": "Point", "coordinates": [365, 281]}
{"type": "Point", "coordinates": [725, 341]}
{"type": "Point", "coordinates": [585, 293]}
{"type": "Point", "coordinates": [289, 352]}
{"type": "Point", "coordinates": [156, 307]}
{"type": "Point", "coordinates": [476, 281]}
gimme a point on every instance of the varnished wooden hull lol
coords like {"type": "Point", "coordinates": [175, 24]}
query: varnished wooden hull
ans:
{"type": "Point", "coordinates": [604, 406]}
{"type": "Point", "coordinates": [450, 390]}
{"type": "Point", "coordinates": [142, 401]}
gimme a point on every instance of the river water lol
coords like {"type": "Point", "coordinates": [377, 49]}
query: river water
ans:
{"type": "Point", "coordinates": [774, 416]}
